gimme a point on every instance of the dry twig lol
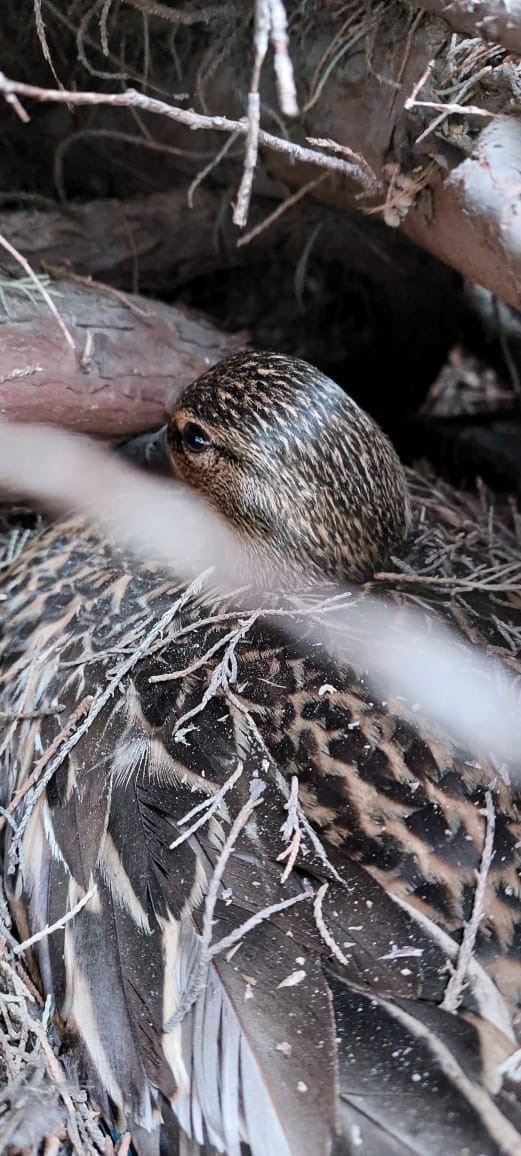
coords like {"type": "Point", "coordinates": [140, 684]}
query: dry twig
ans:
{"type": "Point", "coordinates": [455, 987]}
{"type": "Point", "coordinates": [324, 931]}
{"type": "Point", "coordinates": [11, 89]}
{"type": "Point", "coordinates": [41, 289]}
{"type": "Point", "coordinates": [270, 23]}
{"type": "Point", "coordinates": [208, 807]}
{"type": "Point", "coordinates": [50, 927]}
{"type": "Point", "coordinates": [284, 205]}
{"type": "Point", "coordinates": [291, 831]}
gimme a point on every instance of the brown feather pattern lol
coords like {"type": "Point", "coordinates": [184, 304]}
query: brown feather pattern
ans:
{"type": "Point", "coordinates": [276, 1042]}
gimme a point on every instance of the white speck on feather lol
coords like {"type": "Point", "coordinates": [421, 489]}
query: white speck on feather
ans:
{"type": "Point", "coordinates": [401, 952]}
{"type": "Point", "coordinates": [293, 979]}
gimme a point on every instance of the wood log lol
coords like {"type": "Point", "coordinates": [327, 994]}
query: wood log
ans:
{"type": "Point", "coordinates": [498, 21]}
{"type": "Point", "coordinates": [133, 357]}
{"type": "Point", "coordinates": [152, 243]}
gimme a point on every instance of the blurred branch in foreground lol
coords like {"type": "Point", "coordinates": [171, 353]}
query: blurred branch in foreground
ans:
{"type": "Point", "coordinates": [406, 653]}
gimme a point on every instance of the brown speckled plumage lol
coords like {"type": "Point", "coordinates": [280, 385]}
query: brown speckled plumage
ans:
{"type": "Point", "coordinates": [355, 1054]}
{"type": "Point", "coordinates": [295, 464]}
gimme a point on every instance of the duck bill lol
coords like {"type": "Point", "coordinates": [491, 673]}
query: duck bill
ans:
{"type": "Point", "coordinates": [149, 452]}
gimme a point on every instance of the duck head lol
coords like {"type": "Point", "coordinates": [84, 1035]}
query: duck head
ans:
{"type": "Point", "coordinates": [305, 475]}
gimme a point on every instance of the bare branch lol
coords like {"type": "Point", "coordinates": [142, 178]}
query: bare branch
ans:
{"type": "Point", "coordinates": [50, 927]}
{"type": "Point", "coordinates": [325, 933]}
{"type": "Point", "coordinates": [281, 208]}
{"type": "Point", "coordinates": [287, 92]}
{"type": "Point", "coordinates": [455, 987]}
{"type": "Point", "coordinates": [291, 831]}
{"type": "Point", "coordinates": [41, 289]}
{"type": "Point", "coordinates": [193, 120]}
{"type": "Point", "coordinates": [208, 807]}
{"type": "Point", "coordinates": [239, 932]}
{"type": "Point", "coordinates": [196, 15]}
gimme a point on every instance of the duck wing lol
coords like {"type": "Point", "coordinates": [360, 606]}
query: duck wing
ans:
{"type": "Point", "coordinates": [206, 1000]}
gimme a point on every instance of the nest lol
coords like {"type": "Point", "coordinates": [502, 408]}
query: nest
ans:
{"type": "Point", "coordinates": [463, 559]}
{"type": "Point", "coordinates": [470, 568]}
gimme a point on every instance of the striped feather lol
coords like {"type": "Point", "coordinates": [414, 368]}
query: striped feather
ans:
{"type": "Point", "coordinates": [319, 1030]}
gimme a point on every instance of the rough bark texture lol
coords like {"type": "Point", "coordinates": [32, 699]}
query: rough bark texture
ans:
{"type": "Point", "coordinates": [154, 243]}
{"type": "Point", "coordinates": [494, 20]}
{"type": "Point", "coordinates": [137, 355]}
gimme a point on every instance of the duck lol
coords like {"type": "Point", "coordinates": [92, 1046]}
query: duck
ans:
{"type": "Point", "coordinates": [273, 913]}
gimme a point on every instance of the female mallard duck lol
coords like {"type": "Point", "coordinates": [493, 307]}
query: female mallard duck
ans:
{"type": "Point", "coordinates": [195, 753]}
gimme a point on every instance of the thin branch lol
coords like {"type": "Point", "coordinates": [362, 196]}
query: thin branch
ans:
{"type": "Point", "coordinates": [208, 807]}
{"type": "Point", "coordinates": [42, 37]}
{"type": "Point", "coordinates": [261, 35]}
{"type": "Point", "coordinates": [411, 101]}
{"type": "Point", "coordinates": [225, 672]}
{"type": "Point", "coordinates": [42, 762]}
{"type": "Point", "coordinates": [284, 205]}
{"type": "Point", "coordinates": [131, 98]}
{"type": "Point", "coordinates": [481, 582]}
{"type": "Point", "coordinates": [451, 109]}
{"type": "Point", "coordinates": [270, 24]}
{"type": "Point", "coordinates": [455, 987]}
{"type": "Point", "coordinates": [219, 156]}
{"type": "Point", "coordinates": [50, 927]}
{"type": "Point", "coordinates": [186, 15]}
{"type": "Point", "coordinates": [325, 933]}
{"type": "Point", "coordinates": [284, 75]}
{"type": "Point", "coordinates": [41, 289]}
{"type": "Point", "coordinates": [239, 932]}
{"type": "Point", "coordinates": [291, 831]}
{"type": "Point", "coordinates": [257, 788]}
{"type": "Point", "coordinates": [344, 150]}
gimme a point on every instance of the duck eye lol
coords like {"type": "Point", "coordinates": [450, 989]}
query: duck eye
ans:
{"type": "Point", "coordinates": [195, 438]}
